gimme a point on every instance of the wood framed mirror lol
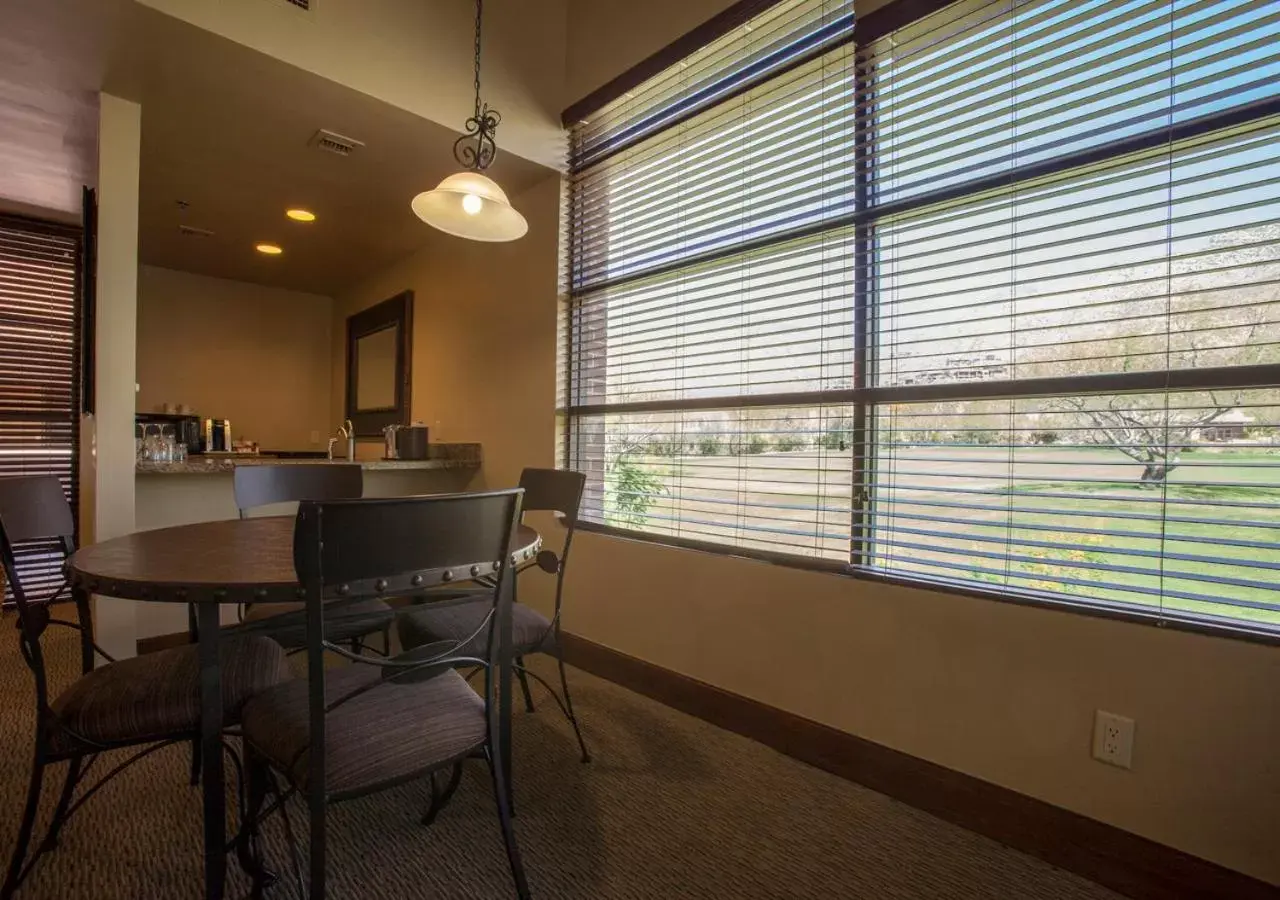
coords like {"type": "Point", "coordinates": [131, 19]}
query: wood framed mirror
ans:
{"type": "Point", "coordinates": [379, 365]}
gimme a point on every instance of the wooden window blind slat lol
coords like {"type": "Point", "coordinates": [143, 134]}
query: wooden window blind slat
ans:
{"type": "Point", "coordinates": [39, 373]}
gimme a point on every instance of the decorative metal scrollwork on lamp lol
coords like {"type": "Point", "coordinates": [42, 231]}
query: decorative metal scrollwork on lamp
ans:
{"type": "Point", "coordinates": [470, 204]}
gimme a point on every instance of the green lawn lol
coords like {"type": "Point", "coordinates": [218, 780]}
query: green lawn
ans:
{"type": "Point", "coordinates": [1243, 544]}
{"type": "Point", "coordinates": [1059, 543]}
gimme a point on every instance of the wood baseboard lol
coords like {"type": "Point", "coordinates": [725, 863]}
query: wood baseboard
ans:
{"type": "Point", "coordinates": [163, 642]}
{"type": "Point", "coordinates": [1132, 865]}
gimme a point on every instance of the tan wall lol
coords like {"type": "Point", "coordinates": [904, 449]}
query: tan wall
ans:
{"type": "Point", "coordinates": [484, 322]}
{"type": "Point", "coordinates": [999, 691]}
{"type": "Point", "coordinates": [256, 355]}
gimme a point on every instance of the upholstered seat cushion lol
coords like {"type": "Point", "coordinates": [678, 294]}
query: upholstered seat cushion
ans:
{"type": "Point", "coordinates": [530, 629]}
{"type": "Point", "coordinates": [157, 695]}
{"type": "Point", "coordinates": [389, 732]}
{"type": "Point", "coordinates": [348, 621]}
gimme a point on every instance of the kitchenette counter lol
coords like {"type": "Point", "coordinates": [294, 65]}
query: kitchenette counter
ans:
{"type": "Point", "coordinates": [443, 456]}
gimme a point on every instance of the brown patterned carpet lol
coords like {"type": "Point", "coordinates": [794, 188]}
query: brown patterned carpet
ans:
{"type": "Point", "coordinates": [670, 808]}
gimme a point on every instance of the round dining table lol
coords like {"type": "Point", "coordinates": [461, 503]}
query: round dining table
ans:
{"type": "Point", "coordinates": [213, 564]}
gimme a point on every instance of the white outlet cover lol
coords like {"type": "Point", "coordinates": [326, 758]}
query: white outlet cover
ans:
{"type": "Point", "coordinates": [1113, 739]}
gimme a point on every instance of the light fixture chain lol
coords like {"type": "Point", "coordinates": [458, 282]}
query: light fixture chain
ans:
{"type": "Point", "coordinates": [478, 146]}
{"type": "Point", "coordinates": [479, 21]}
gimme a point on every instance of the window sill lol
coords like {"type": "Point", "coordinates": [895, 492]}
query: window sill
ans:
{"type": "Point", "coordinates": [1098, 608]}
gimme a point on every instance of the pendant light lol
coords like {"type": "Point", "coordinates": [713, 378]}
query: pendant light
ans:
{"type": "Point", "coordinates": [470, 204]}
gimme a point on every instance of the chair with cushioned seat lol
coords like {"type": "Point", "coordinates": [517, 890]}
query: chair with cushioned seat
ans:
{"type": "Point", "coordinates": [145, 702]}
{"type": "Point", "coordinates": [257, 486]}
{"type": "Point", "coordinates": [554, 490]}
{"type": "Point", "coordinates": [382, 722]}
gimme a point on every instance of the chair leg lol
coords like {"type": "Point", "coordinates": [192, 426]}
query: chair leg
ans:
{"type": "Point", "coordinates": [316, 805]}
{"type": "Point", "coordinates": [14, 876]}
{"type": "Point", "coordinates": [524, 684]}
{"type": "Point", "coordinates": [508, 830]}
{"type": "Point", "coordinates": [440, 799]}
{"type": "Point", "coordinates": [248, 847]}
{"type": "Point", "coordinates": [288, 833]}
{"type": "Point", "coordinates": [568, 707]}
{"type": "Point", "coordinates": [195, 763]}
{"type": "Point", "coordinates": [60, 811]}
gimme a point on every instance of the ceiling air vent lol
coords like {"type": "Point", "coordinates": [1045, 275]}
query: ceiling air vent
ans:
{"type": "Point", "coordinates": [334, 142]}
{"type": "Point", "coordinates": [192, 231]}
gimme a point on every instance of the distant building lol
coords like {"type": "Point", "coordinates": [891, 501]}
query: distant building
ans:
{"type": "Point", "coordinates": [1230, 426]}
{"type": "Point", "coordinates": [962, 367]}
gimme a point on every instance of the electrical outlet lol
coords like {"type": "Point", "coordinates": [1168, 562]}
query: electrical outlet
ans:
{"type": "Point", "coordinates": [1113, 739]}
{"type": "Point", "coordinates": [315, 437]}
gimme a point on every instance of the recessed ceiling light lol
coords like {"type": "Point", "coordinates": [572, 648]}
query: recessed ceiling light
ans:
{"type": "Point", "coordinates": [269, 249]}
{"type": "Point", "coordinates": [300, 215]}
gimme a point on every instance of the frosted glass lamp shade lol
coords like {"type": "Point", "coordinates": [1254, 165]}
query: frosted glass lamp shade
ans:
{"type": "Point", "coordinates": [469, 205]}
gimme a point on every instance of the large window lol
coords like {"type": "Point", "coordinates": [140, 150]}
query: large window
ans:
{"type": "Point", "coordinates": [988, 299]}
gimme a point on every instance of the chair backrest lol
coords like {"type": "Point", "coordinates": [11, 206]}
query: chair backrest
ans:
{"type": "Point", "coordinates": [357, 549]}
{"type": "Point", "coordinates": [557, 490]}
{"type": "Point", "coordinates": [262, 485]}
{"type": "Point", "coordinates": [34, 508]}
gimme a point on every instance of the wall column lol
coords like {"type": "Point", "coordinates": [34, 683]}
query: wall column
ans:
{"type": "Point", "coordinates": [110, 445]}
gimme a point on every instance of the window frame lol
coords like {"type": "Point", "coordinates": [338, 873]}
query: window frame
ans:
{"type": "Point", "coordinates": [864, 396]}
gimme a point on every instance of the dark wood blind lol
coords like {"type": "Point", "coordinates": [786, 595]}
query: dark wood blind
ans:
{"type": "Point", "coordinates": [40, 371]}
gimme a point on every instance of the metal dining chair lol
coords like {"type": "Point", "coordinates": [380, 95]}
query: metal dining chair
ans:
{"type": "Point", "coordinates": [147, 702]}
{"type": "Point", "coordinates": [257, 486]}
{"type": "Point", "coordinates": [554, 490]}
{"type": "Point", "coordinates": [354, 730]}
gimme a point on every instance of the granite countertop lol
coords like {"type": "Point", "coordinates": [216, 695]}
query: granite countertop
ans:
{"type": "Point", "coordinates": [442, 456]}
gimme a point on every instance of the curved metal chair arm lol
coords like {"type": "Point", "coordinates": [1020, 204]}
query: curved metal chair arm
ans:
{"type": "Point", "coordinates": [80, 628]}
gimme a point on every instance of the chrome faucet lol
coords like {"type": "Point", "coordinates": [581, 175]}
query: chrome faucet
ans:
{"type": "Point", "coordinates": [347, 431]}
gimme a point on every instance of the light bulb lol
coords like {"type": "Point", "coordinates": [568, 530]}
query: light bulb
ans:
{"type": "Point", "coordinates": [471, 204]}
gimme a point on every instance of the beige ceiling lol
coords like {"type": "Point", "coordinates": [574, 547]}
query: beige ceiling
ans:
{"type": "Point", "coordinates": [225, 129]}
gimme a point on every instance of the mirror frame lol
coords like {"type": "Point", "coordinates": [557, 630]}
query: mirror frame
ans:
{"type": "Point", "coordinates": [397, 312]}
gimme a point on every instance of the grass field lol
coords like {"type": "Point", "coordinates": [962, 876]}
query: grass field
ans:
{"type": "Point", "coordinates": [1071, 521]}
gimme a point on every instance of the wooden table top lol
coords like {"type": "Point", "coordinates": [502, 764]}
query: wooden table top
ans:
{"type": "Point", "coordinates": [234, 561]}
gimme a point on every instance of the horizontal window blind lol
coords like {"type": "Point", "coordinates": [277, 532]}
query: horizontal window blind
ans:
{"type": "Point", "coordinates": [778, 37]}
{"type": "Point", "coordinates": [1170, 498]}
{"type": "Point", "coordinates": [1073, 203]}
{"type": "Point", "coordinates": [979, 91]}
{"type": "Point", "coordinates": [1165, 259]}
{"type": "Point", "coordinates": [764, 163]}
{"type": "Point", "coordinates": [990, 300]}
{"type": "Point", "coordinates": [39, 372]}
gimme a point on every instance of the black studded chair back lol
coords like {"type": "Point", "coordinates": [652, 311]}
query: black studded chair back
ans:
{"type": "Point", "coordinates": [557, 490]}
{"type": "Point", "coordinates": [35, 515]}
{"type": "Point", "coordinates": [266, 484]}
{"type": "Point", "coordinates": [350, 550]}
